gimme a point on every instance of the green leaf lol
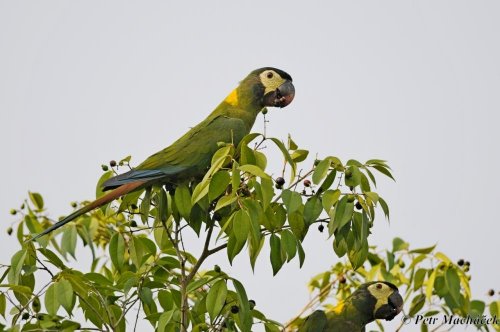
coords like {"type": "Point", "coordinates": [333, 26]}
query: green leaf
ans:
{"type": "Point", "coordinates": [216, 298]}
{"type": "Point", "coordinates": [417, 304]}
{"type": "Point", "coordinates": [292, 200]}
{"type": "Point", "coordinates": [260, 160]}
{"type": "Point", "coordinates": [287, 157]}
{"type": "Point", "coordinates": [16, 265]}
{"type": "Point", "coordinates": [321, 170]}
{"type": "Point", "coordinates": [98, 189]}
{"type": "Point", "coordinates": [399, 244]}
{"type": "Point", "coordinates": [117, 250]}
{"type": "Point", "coordinates": [312, 209]}
{"type": "Point", "coordinates": [302, 254]}
{"type": "Point", "coordinates": [245, 321]}
{"type": "Point", "coordinates": [146, 205]}
{"type": "Point", "coordinates": [291, 144]}
{"type": "Point", "coordinates": [289, 243]}
{"type": "Point", "coordinates": [276, 259]}
{"type": "Point", "coordinates": [166, 300]}
{"type": "Point", "coordinates": [247, 156]}
{"type": "Point", "coordinates": [225, 201]}
{"type": "Point", "coordinates": [183, 201]}
{"type": "Point", "coordinates": [64, 293]}
{"type": "Point", "coordinates": [146, 295]}
{"type": "Point", "coordinates": [427, 250]}
{"type": "Point", "coordinates": [327, 183]}
{"type": "Point", "coordinates": [241, 225]}
{"type": "Point", "coordinates": [164, 319]}
{"type": "Point", "coordinates": [384, 206]}
{"type": "Point", "coordinates": [418, 279]}
{"type": "Point", "coordinates": [384, 171]}
{"type": "Point", "coordinates": [297, 224]}
{"type": "Point", "coordinates": [136, 251]}
{"type": "Point", "coordinates": [3, 304]}
{"type": "Point", "coordinates": [430, 285]}
{"type": "Point", "coordinates": [299, 155]}
{"type": "Point", "coordinates": [218, 184]}
{"type": "Point", "coordinates": [365, 183]}
{"type": "Point", "coordinates": [329, 198]}
{"type": "Point", "coordinates": [233, 247]}
{"type": "Point", "coordinates": [453, 283]}
{"type": "Point", "coordinates": [37, 200]}
{"type": "Point", "coordinates": [254, 170]}
{"type": "Point", "coordinates": [352, 176]}
{"type": "Point", "coordinates": [51, 300]}
{"type": "Point", "coordinates": [68, 241]}
{"type": "Point", "coordinates": [343, 213]}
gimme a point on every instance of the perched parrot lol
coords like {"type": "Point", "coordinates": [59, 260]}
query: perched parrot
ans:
{"type": "Point", "coordinates": [373, 300]}
{"type": "Point", "coordinates": [189, 157]}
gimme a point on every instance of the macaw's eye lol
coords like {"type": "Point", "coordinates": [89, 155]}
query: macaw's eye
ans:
{"type": "Point", "coordinates": [379, 286]}
{"type": "Point", "coordinates": [270, 75]}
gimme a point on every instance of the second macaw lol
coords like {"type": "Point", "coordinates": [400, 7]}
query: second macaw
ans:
{"type": "Point", "coordinates": [373, 300]}
{"type": "Point", "coordinates": [190, 156]}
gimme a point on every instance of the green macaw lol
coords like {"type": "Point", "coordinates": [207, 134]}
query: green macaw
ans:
{"type": "Point", "coordinates": [373, 300]}
{"type": "Point", "coordinates": [189, 157]}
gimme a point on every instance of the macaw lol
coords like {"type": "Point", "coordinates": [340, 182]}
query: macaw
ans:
{"type": "Point", "coordinates": [373, 300]}
{"type": "Point", "coordinates": [189, 157]}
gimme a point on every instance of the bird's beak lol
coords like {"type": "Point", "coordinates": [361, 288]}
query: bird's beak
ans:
{"type": "Point", "coordinates": [392, 308]}
{"type": "Point", "coordinates": [280, 97]}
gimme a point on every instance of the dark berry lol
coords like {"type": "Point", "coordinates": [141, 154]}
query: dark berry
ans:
{"type": "Point", "coordinates": [491, 292]}
{"type": "Point", "coordinates": [351, 188]}
{"type": "Point", "coordinates": [467, 263]}
{"type": "Point", "coordinates": [217, 268]}
{"type": "Point", "coordinates": [25, 316]}
{"type": "Point", "coordinates": [307, 183]}
{"type": "Point", "coordinates": [104, 167]}
{"type": "Point", "coordinates": [73, 204]}
{"type": "Point", "coordinates": [133, 223]}
{"type": "Point", "coordinates": [133, 206]}
{"type": "Point", "coordinates": [217, 216]}
{"type": "Point", "coordinates": [13, 212]}
{"type": "Point", "coordinates": [235, 309]}
{"type": "Point", "coordinates": [264, 111]}
{"type": "Point", "coordinates": [277, 186]}
{"type": "Point", "coordinates": [342, 280]}
{"type": "Point", "coordinates": [280, 181]}
{"type": "Point", "coordinates": [316, 162]}
{"type": "Point", "coordinates": [321, 228]}
{"type": "Point", "coordinates": [9, 230]}
{"type": "Point", "coordinates": [251, 304]}
{"type": "Point", "coordinates": [359, 206]}
{"type": "Point", "coordinates": [112, 163]}
{"type": "Point", "coordinates": [460, 262]}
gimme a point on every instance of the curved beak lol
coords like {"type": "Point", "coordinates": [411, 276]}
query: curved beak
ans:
{"type": "Point", "coordinates": [280, 97]}
{"type": "Point", "coordinates": [392, 308]}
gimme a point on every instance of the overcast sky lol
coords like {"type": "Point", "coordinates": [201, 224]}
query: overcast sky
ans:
{"type": "Point", "coordinates": [413, 82]}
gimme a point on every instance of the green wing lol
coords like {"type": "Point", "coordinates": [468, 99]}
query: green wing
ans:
{"type": "Point", "coordinates": [316, 322]}
{"type": "Point", "coordinates": [187, 157]}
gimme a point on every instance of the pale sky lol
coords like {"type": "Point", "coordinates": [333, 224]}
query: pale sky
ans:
{"type": "Point", "coordinates": [413, 82]}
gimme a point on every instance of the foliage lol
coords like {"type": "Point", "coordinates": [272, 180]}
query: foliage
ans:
{"type": "Point", "coordinates": [140, 261]}
{"type": "Point", "coordinates": [430, 283]}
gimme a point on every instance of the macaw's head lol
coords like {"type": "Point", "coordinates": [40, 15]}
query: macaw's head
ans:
{"type": "Point", "coordinates": [378, 300]}
{"type": "Point", "coordinates": [264, 87]}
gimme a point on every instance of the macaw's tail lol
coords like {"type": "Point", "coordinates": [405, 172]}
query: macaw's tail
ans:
{"type": "Point", "coordinates": [120, 191]}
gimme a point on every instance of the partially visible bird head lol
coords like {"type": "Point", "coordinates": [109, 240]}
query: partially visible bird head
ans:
{"type": "Point", "coordinates": [382, 297]}
{"type": "Point", "coordinates": [265, 87]}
